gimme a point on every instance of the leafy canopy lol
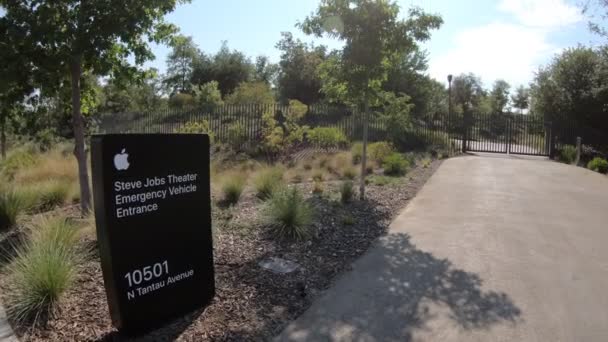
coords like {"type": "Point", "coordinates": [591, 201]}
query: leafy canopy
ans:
{"type": "Point", "coordinates": [101, 34]}
{"type": "Point", "coordinates": [375, 39]}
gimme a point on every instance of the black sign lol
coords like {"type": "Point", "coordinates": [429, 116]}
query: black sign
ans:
{"type": "Point", "coordinates": [153, 213]}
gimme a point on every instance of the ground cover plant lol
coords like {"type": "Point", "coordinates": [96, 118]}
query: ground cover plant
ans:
{"type": "Point", "coordinates": [598, 165]}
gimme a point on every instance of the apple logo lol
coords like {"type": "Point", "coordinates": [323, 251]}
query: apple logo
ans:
{"type": "Point", "coordinates": [121, 160]}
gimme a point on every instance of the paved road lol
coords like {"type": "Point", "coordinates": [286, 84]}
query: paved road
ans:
{"type": "Point", "coordinates": [491, 249]}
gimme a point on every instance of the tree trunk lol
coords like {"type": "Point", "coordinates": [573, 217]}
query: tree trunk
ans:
{"type": "Point", "coordinates": [79, 148]}
{"type": "Point", "coordinates": [3, 137]}
{"type": "Point", "coordinates": [364, 155]}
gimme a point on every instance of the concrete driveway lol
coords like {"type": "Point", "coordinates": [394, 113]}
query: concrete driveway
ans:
{"type": "Point", "coordinates": [492, 249]}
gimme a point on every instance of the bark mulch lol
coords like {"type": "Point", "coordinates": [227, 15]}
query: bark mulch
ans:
{"type": "Point", "coordinates": [251, 303]}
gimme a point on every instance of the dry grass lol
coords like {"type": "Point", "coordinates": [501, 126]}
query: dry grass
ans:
{"type": "Point", "coordinates": [50, 166]}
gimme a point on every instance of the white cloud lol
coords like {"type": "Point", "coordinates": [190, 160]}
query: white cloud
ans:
{"type": "Point", "coordinates": [511, 49]}
{"type": "Point", "coordinates": [542, 13]}
{"type": "Point", "coordinates": [494, 51]}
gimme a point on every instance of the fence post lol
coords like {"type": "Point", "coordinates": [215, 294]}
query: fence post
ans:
{"type": "Point", "coordinates": [552, 141]}
{"type": "Point", "coordinates": [465, 127]}
{"type": "Point", "coordinates": [578, 150]}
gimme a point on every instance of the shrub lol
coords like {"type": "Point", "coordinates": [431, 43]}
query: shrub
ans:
{"type": "Point", "coordinates": [375, 151]}
{"type": "Point", "coordinates": [232, 188]}
{"type": "Point", "coordinates": [18, 159]}
{"type": "Point", "coordinates": [379, 180]}
{"type": "Point", "coordinates": [43, 269]}
{"type": "Point", "coordinates": [346, 191]}
{"type": "Point", "coordinates": [182, 101]}
{"type": "Point", "coordinates": [289, 215]}
{"type": "Point", "coordinates": [317, 188]}
{"type": "Point", "coordinates": [201, 126]}
{"type": "Point", "coordinates": [349, 173]}
{"type": "Point", "coordinates": [327, 137]}
{"type": "Point", "coordinates": [426, 162]}
{"type": "Point", "coordinates": [317, 176]}
{"type": "Point", "coordinates": [567, 154]}
{"type": "Point", "coordinates": [237, 136]}
{"type": "Point", "coordinates": [598, 165]}
{"type": "Point", "coordinates": [267, 181]}
{"type": "Point", "coordinates": [378, 151]}
{"type": "Point", "coordinates": [11, 206]}
{"type": "Point", "coordinates": [395, 165]}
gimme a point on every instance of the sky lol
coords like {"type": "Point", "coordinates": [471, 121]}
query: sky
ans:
{"type": "Point", "coordinates": [499, 39]}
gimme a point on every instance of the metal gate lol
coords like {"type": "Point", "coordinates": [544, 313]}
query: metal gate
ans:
{"type": "Point", "coordinates": [506, 133]}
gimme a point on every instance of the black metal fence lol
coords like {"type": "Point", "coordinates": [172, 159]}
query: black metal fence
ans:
{"type": "Point", "coordinates": [521, 134]}
{"type": "Point", "coordinates": [249, 118]}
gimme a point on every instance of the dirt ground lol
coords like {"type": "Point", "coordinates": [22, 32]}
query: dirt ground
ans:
{"type": "Point", "coordinates": [251, 303]}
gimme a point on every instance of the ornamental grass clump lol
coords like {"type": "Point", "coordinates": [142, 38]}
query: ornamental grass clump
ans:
{"type": "Point", "coordinates": [346, 191]}
{"type": "Point", "coordinates": [267, 180]}
{"type": "Point", "coordinates": [288, 215]}
{"type": "Point", "coordinates": [232, 188]}
{"type": "Point", "coordinates": [43, 269]}
{"type": "Point", "coordinates": [11, 205]}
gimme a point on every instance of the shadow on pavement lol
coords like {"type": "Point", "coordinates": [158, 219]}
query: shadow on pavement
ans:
{"type": "Point", "coordinates": [392, 296]}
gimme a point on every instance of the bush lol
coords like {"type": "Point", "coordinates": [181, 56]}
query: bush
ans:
{"type": "Point", "coordinates": [43, 269]}
{"type": "Point", "coordinates": [380, 180]}
{"type": "Point", "coordinates": [11, 206]}
{"type": "Point", "coordinates": [201, 126]}
{"type": "Point", "coordinates": [395, 165]}
{"type": "Point", "coordinates": [289, 215]}
{"type": "Point", "coordinates": [349, 173]}
{"type": "Point", "coordinates": [182, 101]}
{"type": "Point", "coordinates": [346, 191]}
{"type": "Point", "coordinates": [317, 188]}
{"type": "Point", "coordinates": [327, 137]}
{"type": "Point", "coordinates": [598, 165]}
{"type": "Point", "coordinates": [318, 176]}
{"type": "Point", "coordinates": [232, 188]}
{"type": "Point", "coordinates": [378, 151]}
{"type": "Point", "coordinates": [18, 159]}
{"type": "Point", "coordinates": [237, 136]}
{"type": "Point", "coordinates": [267, 181]}
{"type": "Point", "coordinates": [567, 154]}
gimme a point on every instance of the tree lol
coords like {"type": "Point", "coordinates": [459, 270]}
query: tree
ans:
{"type": "Point", "coordinates": [597, 11]}
{"type": "Point", "coordinates": [180, 64]}
{"type": "Point", "coordinates": [408, 77]}
{"type": "Point", "coordinates": [374, 40]}
{"type": "Point", "coordinates": [298, 77]}
{"type": "Point", "coordinates": [573, 87]}
{"type": "Point", "coordinates": [251, 93]}
{"type": "Point", "coordinates": [265, 71]}
{"type": "Point", "coordinates": [499, 96]}
{"type": "Point", "coordinates": [15, 81]}
{"type": "Point", "coordinates": [467, 89]}
{"type": "Point", "coordinates": [208, 96]}
{"type": "Point", "coordinates": [132, 95]}
{"type": "Point", "coordinates": [521, 99]}
{"type": "Point", "coordinates": [228, 68]}
{"type": "Point", "coordinates": [69, 36]}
